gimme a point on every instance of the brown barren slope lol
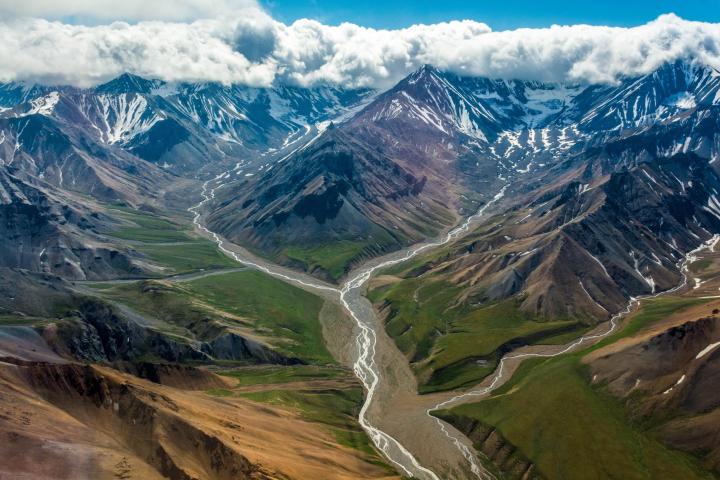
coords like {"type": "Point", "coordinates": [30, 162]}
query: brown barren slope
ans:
{"type": "Point", "coordinates": [73, 421]}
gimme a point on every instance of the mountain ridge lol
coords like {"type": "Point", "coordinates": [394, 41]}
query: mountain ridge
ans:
{"type": "Point", "coordinates": [478, 134]}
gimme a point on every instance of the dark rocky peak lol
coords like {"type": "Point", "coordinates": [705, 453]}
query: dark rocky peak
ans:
{"type": "Point", "coordinates": [129, 83]}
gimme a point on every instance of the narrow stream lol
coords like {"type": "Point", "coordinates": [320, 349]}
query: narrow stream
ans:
{"type": "Point", "coordinates": [351, 296]}
{"type": "Point", "coordinates": [499, 375]}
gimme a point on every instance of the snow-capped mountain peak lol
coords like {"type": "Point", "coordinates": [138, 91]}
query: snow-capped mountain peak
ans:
{"type": "Point", "coordinates": [644, 100]}
{"type": "Point", "coordinates": [150, 118]}
{"type": "Point", "coordinates": [129, 83]}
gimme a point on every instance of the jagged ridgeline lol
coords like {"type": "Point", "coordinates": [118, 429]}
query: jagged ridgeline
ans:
{"type": "Point", "coordinates": [117, 308]}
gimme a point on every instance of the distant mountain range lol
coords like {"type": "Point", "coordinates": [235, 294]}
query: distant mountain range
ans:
{"type": "Point", "coordinates": [307, 169]}
{"type": "Point", "coordinates": [180, 127]}
{"type": "Point", "coordinates": [433, 148]}
{"type": "Point", "coordinates": [128, 141]}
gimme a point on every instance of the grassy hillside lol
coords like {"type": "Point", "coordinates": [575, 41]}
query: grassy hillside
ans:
{"type": "Point", "coordinates": [571, 428]}
{"type": "Point", "coordinates": [285, 315]}
{"type": "Point", "coordinates": [140, 226]}
{"type": "Point", "coordinates": [281, 374]}
{"type": "Point", "coordinates": [451, 344]}
{"type": "Point", "coordinates": [332, 259]}
{"type": "Point", "coordinates": [167, 242]}
{"type": "Point", "coordinates": [329, 396]}
{"type": "Point", "coordinates": [335, 408]}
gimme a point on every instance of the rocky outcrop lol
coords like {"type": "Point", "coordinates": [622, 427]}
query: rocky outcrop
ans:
{"type": "Point", "coordinates": [490, 443]}
{"type": "Point", "coordinates": [23, 292]}
{"type": "Point", "coordinates": [89, 330]}
{"type": "Point", "coordinates": [94, 332]}
{"type": "Point", "coordinates": [231, 346]}
{"type": "Point", "coordinates": [46, 232]}
{"type": "Point", "coordinates": [671, 379]}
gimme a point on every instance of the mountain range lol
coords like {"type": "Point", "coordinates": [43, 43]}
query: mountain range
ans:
{"type": "Point", "coordinates": [440, 145]}
{"type": "Point", "coordinates": [604, 189]}
{"type": "Point", "coordinates": [322, 178]}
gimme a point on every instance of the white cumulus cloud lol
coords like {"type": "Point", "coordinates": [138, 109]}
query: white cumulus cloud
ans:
{"type": "Point", "coordinates": [252, 48]}
{"type": "Point", "coordinates": [129, 10]}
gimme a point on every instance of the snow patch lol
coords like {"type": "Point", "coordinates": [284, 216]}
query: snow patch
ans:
{"type": "Point", "coordinates": [43, 105]}
{"type": "Point", "coordinates": [707, 350]}
{"type": "Point", "coordinates": [680, 380]}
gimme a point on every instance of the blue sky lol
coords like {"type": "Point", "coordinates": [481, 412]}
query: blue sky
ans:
{"type": "Point", "coordinates": [500, 15]}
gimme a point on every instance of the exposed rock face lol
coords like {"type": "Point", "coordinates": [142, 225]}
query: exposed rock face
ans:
{"type": "Point", "coordinates": [59, 155]}
{"type": "Point", "coordinates": [21, 289]}
{"type": "Point", "coordinates": [230, 346]}
{"type": "Point", "coordinates": [672, 377]}
{"type": "Point", "coordinates": [490, 443]}
{"type": "Point", "coordinates": [338, 189]}
{"type": "Point", "coordinates": [581, 250]}
{"type": "Point", "coordinates": [43, 232]}
{"type": "Point", "coordinates": [638, 225]}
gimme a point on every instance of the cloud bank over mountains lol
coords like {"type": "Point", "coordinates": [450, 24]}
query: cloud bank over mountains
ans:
{"type": "Point", "coordinates": [129, 10]}
{"type": "Point", "coordinates": [242, 44]}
